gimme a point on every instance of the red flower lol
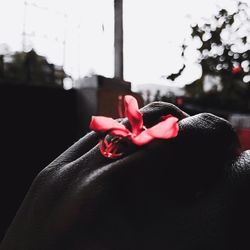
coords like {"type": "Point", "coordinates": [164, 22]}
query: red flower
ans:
{"type": "Point", "coordinates": [140, 135]}
{"type": "Point", "coordinates": [236, 70]}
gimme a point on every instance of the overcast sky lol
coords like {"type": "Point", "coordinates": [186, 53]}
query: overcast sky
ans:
{"type": "Point", "coordinates": [79, 34]}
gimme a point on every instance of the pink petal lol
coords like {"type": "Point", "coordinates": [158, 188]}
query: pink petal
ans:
{"type": "Point", "coordinates": [106, 124]}
{"type": "Point", "coordinates": [133, 113]}
{"type": "Point", "coordinates": [120, 132]}
{"type": "Point", "coordinates": [163, 130]}
{"type": "Point", "coordinates": [166, 129]}
{"type": "Point", "coordinates": [142, 139]}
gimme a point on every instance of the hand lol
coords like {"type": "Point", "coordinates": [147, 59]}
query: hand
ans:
{"type": "Point", "coordinates": [181, 193]}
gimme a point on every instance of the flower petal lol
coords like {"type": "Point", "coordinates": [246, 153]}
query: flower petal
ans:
{"type": "Point", "coordinates": [106, 124]}
{"type": "Point", "coordinates": [133, 113]}
{"type": "Point", "coordinates": [166, 129]}
{"type": "Point", "coordinates": [163, 130]}
{"type": "Point", "coordinates": [143, 138]}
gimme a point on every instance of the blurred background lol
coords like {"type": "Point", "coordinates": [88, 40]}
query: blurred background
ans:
{"type": "Point", "coordinates": [63, 61]}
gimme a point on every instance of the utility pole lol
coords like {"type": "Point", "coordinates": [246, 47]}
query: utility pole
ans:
{"type": "Point", "coordinates": [24, 26]}
{"type": "Point", "coordinates": [118, 41]}
{"type": "Point", "coordinates": [64, 39]}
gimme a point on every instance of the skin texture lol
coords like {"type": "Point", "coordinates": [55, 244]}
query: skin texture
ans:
{"type": "Point", "coordinates": [189, 192]}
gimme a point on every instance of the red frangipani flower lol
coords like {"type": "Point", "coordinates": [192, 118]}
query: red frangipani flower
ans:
{"type": "Point", "coordinates": [139, 134]}
{"type": "Point", "coordinates": [236, 70]}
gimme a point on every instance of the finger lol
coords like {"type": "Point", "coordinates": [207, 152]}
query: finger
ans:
{"type": "Point", "coordinates": [76, 150]}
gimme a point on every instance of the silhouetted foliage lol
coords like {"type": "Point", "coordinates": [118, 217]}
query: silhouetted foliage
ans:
{"type": "Point", "coordinates": [157, 96]}
{"type": "Point", "coordinates": [224, 53]}
{"type": "Point", "coordinates": [173, 76]}
{"type": "Point", "coordinates": [30, 69]}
